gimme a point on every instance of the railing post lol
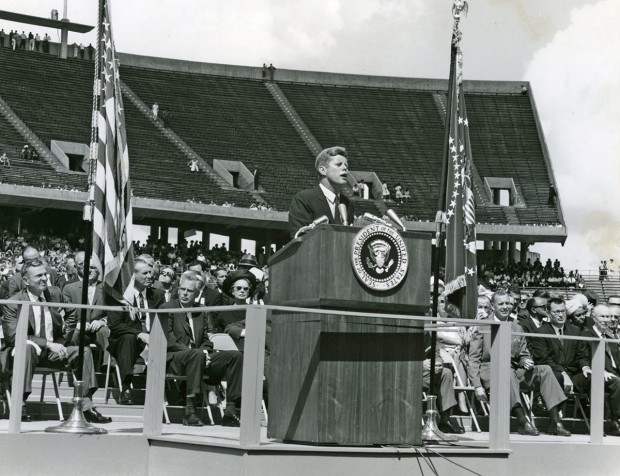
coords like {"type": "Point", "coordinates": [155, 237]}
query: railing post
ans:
{"type": "Point", "coordinates": [499, 416]}
{"type": "Point", "coordinates": [597, 392]}
{"type": "Point", "coordinates": [253, 372]}
{"type": "Point", "coordinates": [19, 369]}
{"type": "Point", "coordinates": [155, 379]}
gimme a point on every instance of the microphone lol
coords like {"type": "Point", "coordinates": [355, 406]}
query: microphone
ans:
{"type": "Point", "coordinates": [311, 226]}
{"type": "Point", "coordinates": [384, 210]}
{"type": "Point", "coordinates": [375, 219]}
{"type": "Point", "coordinates": [394, 217]}
{"type": "Point", "coordinates": [342, 208]}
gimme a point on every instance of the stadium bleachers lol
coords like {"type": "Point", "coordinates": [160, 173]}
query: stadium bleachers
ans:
{"type": "Point", "coordinates": [230, 119]}
{"type": "Point", "coordinates": [396, 133]}
{"type": "Point", "coordinates": [505, 143]}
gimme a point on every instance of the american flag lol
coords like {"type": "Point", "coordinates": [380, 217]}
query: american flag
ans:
{"type": "Point", "coordinates": [460, 206]}
{"type": "Point", "coordinates": [112, 216]}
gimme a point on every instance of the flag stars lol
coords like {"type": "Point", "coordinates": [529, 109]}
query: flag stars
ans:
{"type": "Point", "coordinates": [466, 122]}
{"type": "Point", "coordinates": [460, 120]}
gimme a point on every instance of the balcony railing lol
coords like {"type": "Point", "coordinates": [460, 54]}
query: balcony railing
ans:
{"type": "Point", "coordinates": [254, 355]}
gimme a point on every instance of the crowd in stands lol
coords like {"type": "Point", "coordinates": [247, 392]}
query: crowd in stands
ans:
{"type": "Point", "coordinates": [34, 42]}
{"type": "Point", "coordinates": [529, 274]}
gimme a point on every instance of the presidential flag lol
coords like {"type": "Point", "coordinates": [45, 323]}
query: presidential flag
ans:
{"type": "Point", "coordinates": [461, 271]}
{"type": "Point", "coordinates": [112, 216]}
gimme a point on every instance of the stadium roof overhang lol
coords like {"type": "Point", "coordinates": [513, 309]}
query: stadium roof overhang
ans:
{"type": "Point", "coordinates": [47, 22]}
{"type": "Point", "coordinates": [232, 217]}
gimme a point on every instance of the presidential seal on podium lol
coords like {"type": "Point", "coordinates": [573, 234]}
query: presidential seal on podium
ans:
{"type": "Point", "coordinates": [379, 257]}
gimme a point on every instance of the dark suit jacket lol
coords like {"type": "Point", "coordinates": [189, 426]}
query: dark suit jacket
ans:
{"type": "Point", "coordinates": [120, 322]}
{"type": "Point", "coordinates": [11, 316]}
{"type": "Point", "coordinates": [560, 357]}
{"type": "Point", "coordinates": [211, 296]}
{"type": "Point", "coordinates": [72, 293]}
{"type": "Point", "coordinates": [178, 332]}
{"type": "Point", "coordinates": [62, 281]}
{"type": "Point", "coordinates": [610, 349]}
{"type": "Point", "coordinates": [310, 204]}
{"type": "Point", "coordinates": [527, 324]}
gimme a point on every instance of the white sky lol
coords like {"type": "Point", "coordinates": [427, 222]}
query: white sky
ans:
{"type": "Point", "coordinates": [567, 49]}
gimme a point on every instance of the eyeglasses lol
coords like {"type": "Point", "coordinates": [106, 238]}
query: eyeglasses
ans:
{"type": "Point", "coordinates": [170, 275]}
{"type": "Point", "coordinates": [241, 288]}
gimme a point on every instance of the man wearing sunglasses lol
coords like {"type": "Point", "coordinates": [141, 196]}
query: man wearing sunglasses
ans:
{"type": "Point", "coordinates": [167, 278]}
{"type": "Point", "coordinates": [536, 314]}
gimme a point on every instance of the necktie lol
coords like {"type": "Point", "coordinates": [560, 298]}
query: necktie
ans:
{"type": "Point", "coordinates": [561, 340]}
{"type": "Point", "coordinates": [337, 217]}
{"type": "Point", "coordinates": [42, 332]}
{"type": "Point", "coordinates": [143, 317]}
{"type": "Point", "coordinates": [192, 341]}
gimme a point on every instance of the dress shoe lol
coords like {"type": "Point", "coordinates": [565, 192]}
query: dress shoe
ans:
{"type": "Point", "coordinates": [25, 415]}
{"type": "Point", "coordinates": [192, 420]}
{"type": "Point", "coordinates": [528, 429]}
{"type": "Point", "coordinates": [449, 427]}
{"type": "Point", "coordinates": [614, 429]}
{"type": "Point", "coordinates": [558, 429]}
{"type": "Point", "coordinates": [126, 397]}
{"type": "Point", "coordinates": [230, 419]}
{"type": "Point", "coordinates": [93, 416]}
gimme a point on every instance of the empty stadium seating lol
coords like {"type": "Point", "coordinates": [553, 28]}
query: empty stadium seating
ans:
{"type": "Point", "coordinates": [396, 133]}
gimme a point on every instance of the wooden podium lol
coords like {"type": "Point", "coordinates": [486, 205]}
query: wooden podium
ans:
{"type": "Point", "coordinates": [337, 379]}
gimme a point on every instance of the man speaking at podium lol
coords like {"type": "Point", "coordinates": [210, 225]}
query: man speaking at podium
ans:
{"type": "Point", "coordinates": [326, 198]}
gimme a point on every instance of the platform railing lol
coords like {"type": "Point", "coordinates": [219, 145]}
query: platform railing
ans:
{"type": "Point", "coordinates": [253, 365]}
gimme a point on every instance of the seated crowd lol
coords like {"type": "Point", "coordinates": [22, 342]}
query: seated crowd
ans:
{"type": "Point", "coordinates": [529, 275]}
{"type": "Point", "coordinates": [53, 333]}
{"type": "Point", "coordinates": [553, 369]}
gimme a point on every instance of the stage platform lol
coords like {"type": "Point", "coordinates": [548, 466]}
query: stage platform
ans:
{"type": "Point", "coordinates": [125, 450]}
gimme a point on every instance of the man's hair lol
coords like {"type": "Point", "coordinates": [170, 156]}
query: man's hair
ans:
{"type": "Point", "coordinates": [554, 300]}
{"type": "Point", "coordinates": [541, 293]}
{"type": "Point", "coordinates": [197, 263]}
{"type": "Point", "coordinates": [190, 276]}
{"type": "Point", "coordinates": [146, 258]}
{"type": "Point", "coordinates": [71, 256]}
{"type": "Point", "coordinates": [33, 263]}
{"type": "Point", "coordinates": [326, 154]}
{"type": "Point", "coordinates": [140, 260]}
{"type": "Point", "coordinates": [27, 249]}
{"type": "Point", "coordinates": [499, 293]}
{"type": "Point", "coordinates": [220, 269]}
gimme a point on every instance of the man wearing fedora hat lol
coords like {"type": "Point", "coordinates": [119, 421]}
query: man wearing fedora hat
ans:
{"type": "Point", "coordinates": [326, 198]}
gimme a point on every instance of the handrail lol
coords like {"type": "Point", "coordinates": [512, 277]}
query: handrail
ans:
{"type": "Point", "coordinates": [254, 352]}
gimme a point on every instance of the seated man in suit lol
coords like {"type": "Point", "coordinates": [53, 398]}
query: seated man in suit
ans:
{"type": "Point", "coordinates": [97, 330]}
{"type": "Point", "coordinates": [46, 342]}
{"type": "Point", "coordinates": [129, 331]}
{"type": "Point", "coordinates": [524, 371]}
{"type": "Point", "coordinates": [308, 205]}
{"type": "Point", "coordinates": [190, 353]}
{"type": "Point", "coordinates": [601, 317]}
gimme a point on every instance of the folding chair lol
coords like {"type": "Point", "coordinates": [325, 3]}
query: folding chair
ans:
{"type": "Point", "coordinates": [44, 372]}
{"type": "Point", "coordinates": [107, 389]}
{"type": "Point", "coordinates": [223, 341]}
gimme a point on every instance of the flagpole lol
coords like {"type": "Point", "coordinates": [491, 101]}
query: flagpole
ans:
{"type": "Point", "coordinates": [441, 205]}
{"type": "Point", "coordinates": [76, 423]}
